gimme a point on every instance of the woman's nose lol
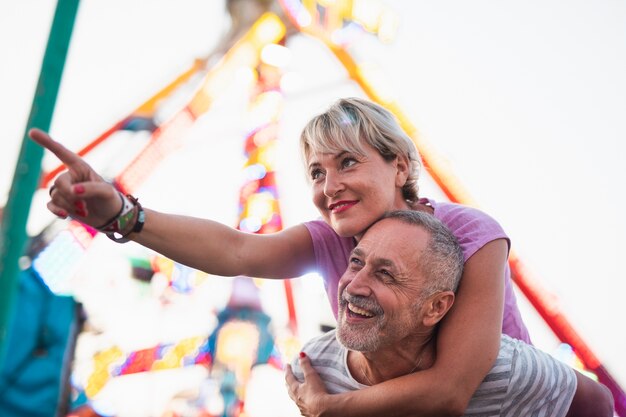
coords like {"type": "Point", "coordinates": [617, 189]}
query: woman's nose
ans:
{"type": "Point", "coordinates": [332, 185]}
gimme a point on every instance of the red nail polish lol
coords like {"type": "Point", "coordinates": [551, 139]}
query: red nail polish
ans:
{"type": "Point", "coordinates": [81, 213]}
{"type": "Point", "coordinates": [79, 189]}
{"type": "Point", "coordinates": [302, 355]}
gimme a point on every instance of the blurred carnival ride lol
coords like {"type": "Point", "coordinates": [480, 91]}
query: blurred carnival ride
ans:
{"type": "Point", "coordinates": [240, 335]}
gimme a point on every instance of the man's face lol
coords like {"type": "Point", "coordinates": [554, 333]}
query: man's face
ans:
{"type": "Point", "coordinates": [380, 291]}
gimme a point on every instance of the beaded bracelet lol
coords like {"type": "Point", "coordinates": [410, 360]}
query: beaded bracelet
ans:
{"type": "Point", "coordinates": [129, 219]}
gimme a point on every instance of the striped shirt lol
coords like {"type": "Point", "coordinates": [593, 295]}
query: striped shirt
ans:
{"type": "Point", "coordinates": [524, 381]}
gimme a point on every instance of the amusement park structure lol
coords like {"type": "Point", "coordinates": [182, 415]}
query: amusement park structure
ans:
{"type": "Point", "coordinates": [260, 32]}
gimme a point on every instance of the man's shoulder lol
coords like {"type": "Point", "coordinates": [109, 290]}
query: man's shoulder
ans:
{"type": "Point", "coordinates": [551, 382]}
{"type": "Point", "coordinates": [491, 394]}
{"type": "Point", "coordinates": [524, 380]}
{"type": "Point", "coordinates": [323, 346]}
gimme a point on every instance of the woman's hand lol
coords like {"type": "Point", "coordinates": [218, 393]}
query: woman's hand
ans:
{"type": "Point", "coordinates": [308, 395]}
{"type": "Point", "coordinates": [79, 192]}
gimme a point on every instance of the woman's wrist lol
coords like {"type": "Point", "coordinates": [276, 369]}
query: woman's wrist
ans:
{"type": "Point", "coordinates": [130, 219]}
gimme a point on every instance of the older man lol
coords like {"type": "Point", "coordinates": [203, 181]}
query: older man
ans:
{"type": "Point", "coordinates": [390, 300]}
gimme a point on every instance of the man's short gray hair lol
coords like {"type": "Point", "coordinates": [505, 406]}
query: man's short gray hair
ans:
{"type": "Point", "coordinates": [441, 262]}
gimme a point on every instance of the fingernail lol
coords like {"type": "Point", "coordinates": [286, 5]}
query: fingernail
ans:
{"type": "Point", "coordinates": [302, 355]}
{"type": "Point", "coordinates": [79, 204]}
{"type": "Point", "coordinates": [62, 213]}
{"type": "Point", "coordinates": [79, 189]}
{"type": "Point", "coordinates": [81, 213]}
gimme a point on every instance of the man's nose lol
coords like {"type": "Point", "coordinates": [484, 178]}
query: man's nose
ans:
{"type": "Point", "coordinates": [359, 284]}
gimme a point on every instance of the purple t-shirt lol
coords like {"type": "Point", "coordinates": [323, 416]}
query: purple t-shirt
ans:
{"type": "Point", "coordinates": [472, 228]}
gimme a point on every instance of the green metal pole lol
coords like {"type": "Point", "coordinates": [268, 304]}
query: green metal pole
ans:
{"type": "Point", "coordinates": [13, 235]}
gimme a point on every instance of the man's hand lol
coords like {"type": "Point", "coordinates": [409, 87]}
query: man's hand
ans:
{"type": "Point", "coordinates": [309, 395]}
{"type": "Point", "coordinates": [79, 192]}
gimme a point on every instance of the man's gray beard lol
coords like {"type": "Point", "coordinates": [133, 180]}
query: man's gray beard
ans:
{"type": "Point", "coordinates": [360, 338]}
{"type": "Point", "coordinates": [365, 337]}
{"type": "Point", "coordinates": [377, 333]}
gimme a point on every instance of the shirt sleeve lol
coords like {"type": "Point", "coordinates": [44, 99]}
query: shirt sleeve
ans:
{"type": "Point", "coordinates": [473, 228]}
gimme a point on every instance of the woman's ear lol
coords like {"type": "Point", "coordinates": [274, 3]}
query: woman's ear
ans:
{"type": "Point", "coordinates": [402, 167]}
{"type": "Point", "coordinates": [436, 307]}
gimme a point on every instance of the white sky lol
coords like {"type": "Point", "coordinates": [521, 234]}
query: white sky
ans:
{"type": "Point", "coordinates": [525, 99]}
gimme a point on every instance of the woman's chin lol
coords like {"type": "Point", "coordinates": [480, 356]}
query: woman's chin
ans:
{"type": "Point", "coordinates": [346, 230]}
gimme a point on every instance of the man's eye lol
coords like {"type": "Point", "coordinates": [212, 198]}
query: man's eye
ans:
{"type": "Point", "coordinates": [385, 273]}
{"type": "Point", "coordinates": [355, 261]}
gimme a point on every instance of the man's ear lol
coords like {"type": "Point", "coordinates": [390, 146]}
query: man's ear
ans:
{"type": "Point", "coordinates": [436, 307]}
{"type": "Point", "coordinates": [402, 166]}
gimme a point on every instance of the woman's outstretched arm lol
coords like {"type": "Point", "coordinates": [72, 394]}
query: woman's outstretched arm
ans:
{"type": "Point", "coordinates": [467, 346]}
{"type": "Point", "coordinates": [221, 250]}
{"type": "Point", "coordinates": [81, 193]}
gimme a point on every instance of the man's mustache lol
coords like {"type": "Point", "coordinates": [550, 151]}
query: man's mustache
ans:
{"type": "Point", "coordinates": [366, 303]}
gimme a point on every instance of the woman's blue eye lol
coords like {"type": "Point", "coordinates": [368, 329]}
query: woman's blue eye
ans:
{"type": "Point", "coordinates": [348, 162]}
{"type": "Point", "coordinates": [315, 174]}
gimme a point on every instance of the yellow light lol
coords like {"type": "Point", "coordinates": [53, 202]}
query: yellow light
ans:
{"type": "Point", "coordinates": [267, 156]}
{"type": "Point", "coordinates": [268, 29]}
{"type": "Point", "coordinates": [367, 12]}
{"type": "Point", "coordinates": [388, 27]}
{"type": "Point", "coordinates": [244, 55]}
{"type": "Point", "coordinates": [261, 206]}
{"type": "Point", "coordinates": [266, 108]}
{"type": "Point", "coordinates": [268, 133]}
{"type": "Point", "coordinates": [237, 344]}
{"type": "Point", "coordinates": [102, 361]}
{"type": "Point", "coordinates": [245, 76]}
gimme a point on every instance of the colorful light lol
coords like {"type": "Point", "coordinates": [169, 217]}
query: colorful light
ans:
{"type": "Point", "coordinates": [113, 362]}
{"type": "Point", "coordinates": [57, 263]}
{"type": "Point", "coordinates": [254, 172]}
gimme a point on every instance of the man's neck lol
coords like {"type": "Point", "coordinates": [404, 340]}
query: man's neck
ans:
{"type": "Point", "coordinates": [372, 368]}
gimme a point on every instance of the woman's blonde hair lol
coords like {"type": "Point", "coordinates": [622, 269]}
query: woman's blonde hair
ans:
{"type": "Point", "coordinates": [349, 124]}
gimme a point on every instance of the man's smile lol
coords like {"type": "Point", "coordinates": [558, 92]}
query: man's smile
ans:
{"type": "Point", "coordinates": [359, 311]}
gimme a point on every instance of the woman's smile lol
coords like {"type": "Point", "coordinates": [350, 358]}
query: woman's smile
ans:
{"type": "Point", "coordinates": [342, 206]}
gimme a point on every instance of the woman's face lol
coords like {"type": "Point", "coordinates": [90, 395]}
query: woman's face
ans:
{"type": "Point", "coordinates": [352, 191]}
